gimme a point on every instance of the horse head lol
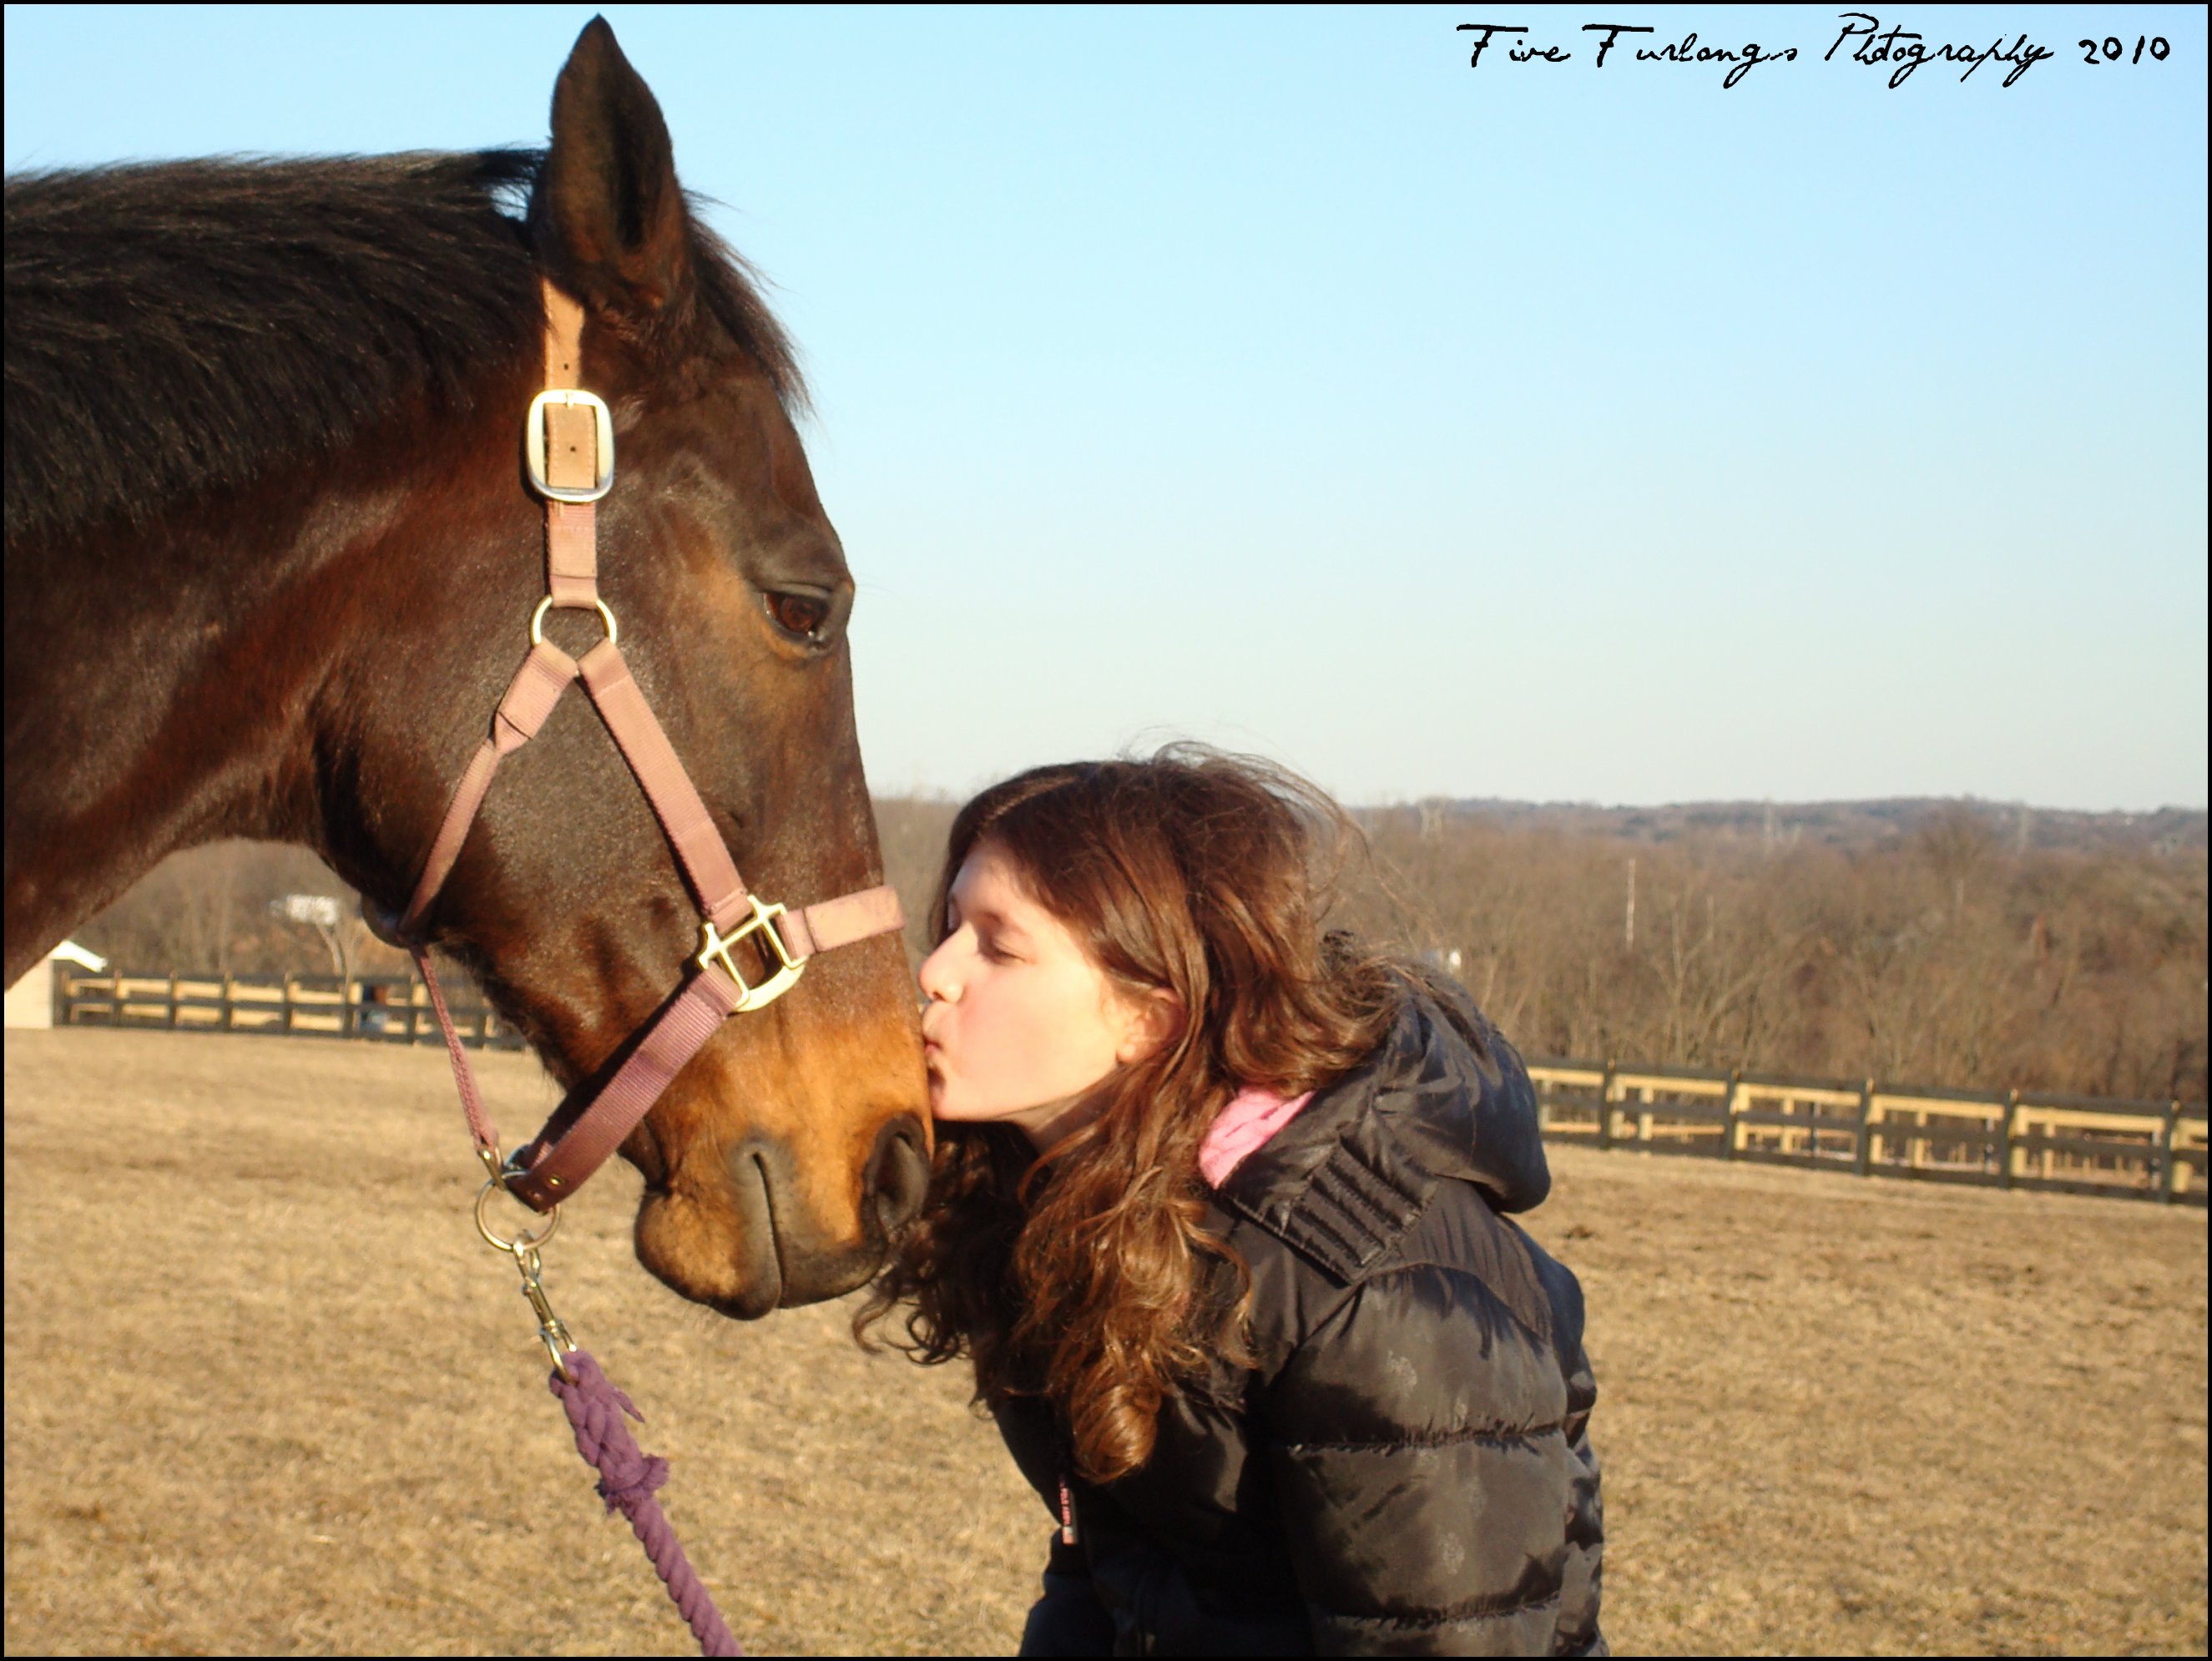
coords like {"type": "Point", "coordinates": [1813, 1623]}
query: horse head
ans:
{"type": "Point", "coordinates": [324, 627]}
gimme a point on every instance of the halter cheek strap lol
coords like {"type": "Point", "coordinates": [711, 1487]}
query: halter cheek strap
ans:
{"type": "Point", "coordinates": [750, 952]}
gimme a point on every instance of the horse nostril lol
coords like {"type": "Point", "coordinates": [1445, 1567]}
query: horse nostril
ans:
{"type": "Point", "coordinates": [898, 1175]}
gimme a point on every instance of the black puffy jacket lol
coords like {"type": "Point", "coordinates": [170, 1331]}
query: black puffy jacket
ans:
{"type": "Point", "coordinates": [1408, 1468]}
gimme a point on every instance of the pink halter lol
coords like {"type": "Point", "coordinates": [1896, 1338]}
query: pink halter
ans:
{"type": "Point", "coordinates": [569, 437]}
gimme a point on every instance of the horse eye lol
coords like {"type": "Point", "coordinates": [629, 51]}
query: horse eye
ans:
{"type": "Point", "coordinates": [803, 615]}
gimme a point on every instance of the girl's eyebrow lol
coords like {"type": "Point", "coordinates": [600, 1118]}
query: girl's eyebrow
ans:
{"type": "Point", "coordinates": [998, 920]}
{"type": "Point", "coordinates": [983, 916]}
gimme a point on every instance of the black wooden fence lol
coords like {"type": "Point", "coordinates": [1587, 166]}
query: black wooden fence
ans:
{"type": "Point", "coordinates": [2092, 1145]}
{"type": "Point", "coordinates": [387, 1008]}
{"type": "Point", "coordinates": [2015, 1139]}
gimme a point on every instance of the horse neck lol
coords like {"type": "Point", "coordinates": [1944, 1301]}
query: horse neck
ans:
{"type": "Point", "coordinates": [184, 681]}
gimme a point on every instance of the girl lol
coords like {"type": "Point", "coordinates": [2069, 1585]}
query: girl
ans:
{"type": "Point", "coordinates": [1216, 1215]}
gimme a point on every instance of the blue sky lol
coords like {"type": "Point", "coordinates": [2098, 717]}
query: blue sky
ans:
{"type": "Point", "coordinates": [1276, 379]}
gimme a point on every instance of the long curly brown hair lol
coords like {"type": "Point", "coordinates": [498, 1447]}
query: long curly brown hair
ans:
{"type": "Point", "coordinates": [1083, 1275]}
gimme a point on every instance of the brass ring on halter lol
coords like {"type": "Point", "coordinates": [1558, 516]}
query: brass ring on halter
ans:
{"type": "Point", "coordinates": [521, 1243]}
{"type": "Point", "coordinates": [537, 620]}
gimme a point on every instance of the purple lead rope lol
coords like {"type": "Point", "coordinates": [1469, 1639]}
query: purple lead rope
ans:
{"type": "Point", "coordinates": [627, 1477]}
{"type": "Point", "coordinates": [628, 1474]}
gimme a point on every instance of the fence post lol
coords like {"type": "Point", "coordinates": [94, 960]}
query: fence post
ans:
{"type": "Point", "coordinates": [2004, 1138]}
{"type": "Point", "coordinates": [1729, 1113]}
{"type": "Point", "coordinates": [172, 1021]}
{"type": "Point", "coordinates": [1605, 1108]}
{"type": "Point", "coordinates": [286, 1025]}
{"type": "Point", "coordinates": [1864, 1164]}
{"type": "Point", "coordinates": [2162, 1166]}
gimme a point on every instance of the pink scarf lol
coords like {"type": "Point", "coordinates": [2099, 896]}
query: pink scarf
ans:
{"type": "Point", "coordinates": [1252, 1116]}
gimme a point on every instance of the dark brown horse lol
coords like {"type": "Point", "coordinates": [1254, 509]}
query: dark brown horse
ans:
{"type": "Point", "coordinates": [271, 560]}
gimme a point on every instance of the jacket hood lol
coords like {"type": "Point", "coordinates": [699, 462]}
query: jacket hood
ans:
{"type": "Point", "coordinates": [1460, 1100]}
{"type": "Point", "coordinates": [1443, 1087]}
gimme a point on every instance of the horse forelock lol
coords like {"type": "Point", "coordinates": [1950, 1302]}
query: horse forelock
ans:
{"type": "Point", "coordinates": [178, 328]}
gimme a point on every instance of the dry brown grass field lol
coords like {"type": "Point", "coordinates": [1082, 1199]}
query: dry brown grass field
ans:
{"type": "Point", "coordinates": [266, 1391]}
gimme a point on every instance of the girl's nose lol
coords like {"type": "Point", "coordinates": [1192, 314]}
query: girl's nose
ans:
{"type": "Point", "coordinates": [938, 983]}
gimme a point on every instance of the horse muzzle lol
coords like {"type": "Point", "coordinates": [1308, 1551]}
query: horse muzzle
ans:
{"type": "Point", "coordinates": [749, 1240]}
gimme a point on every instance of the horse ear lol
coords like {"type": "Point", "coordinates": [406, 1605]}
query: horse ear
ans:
{"type": "Point", "coordinates": [609, 214]}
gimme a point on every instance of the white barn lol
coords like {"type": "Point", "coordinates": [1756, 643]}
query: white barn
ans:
{"type": "Point", "coordinates": [31, 999]}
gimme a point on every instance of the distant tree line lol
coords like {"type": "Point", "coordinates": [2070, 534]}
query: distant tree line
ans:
{"type": "Point", "coordinates": [218, 910]}
{"type": "Point", "coordinates": [1945, 956]}
{"type": "Point", "coordinates": [1949, 955]}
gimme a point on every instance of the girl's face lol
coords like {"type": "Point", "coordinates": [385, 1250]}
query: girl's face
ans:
{"type": "Point", "coordinates": [1020, 1022]}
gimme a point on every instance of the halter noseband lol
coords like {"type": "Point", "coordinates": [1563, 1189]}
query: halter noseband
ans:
{"type": "Point", "coordinates": [569, 440]}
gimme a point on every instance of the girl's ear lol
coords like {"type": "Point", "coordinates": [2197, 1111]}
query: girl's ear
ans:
{"type": "Point", "coordinates": [1149, 1025]}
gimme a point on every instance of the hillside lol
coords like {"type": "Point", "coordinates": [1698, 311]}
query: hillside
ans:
{"type": "Point", "coordinates": [1848, 825]}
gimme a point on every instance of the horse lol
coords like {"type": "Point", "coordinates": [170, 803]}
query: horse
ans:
{"type": "Point", "coordinates": [269, 561]}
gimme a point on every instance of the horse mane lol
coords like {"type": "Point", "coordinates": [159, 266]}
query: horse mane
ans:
{"type": "Point", "coordinates": [178, 327]}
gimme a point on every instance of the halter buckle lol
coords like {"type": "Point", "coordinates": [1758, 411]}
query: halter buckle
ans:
{"type": "Point", "coordinates": [602, 429]}
{"type": "Point", "coordinates": [716, 949]}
